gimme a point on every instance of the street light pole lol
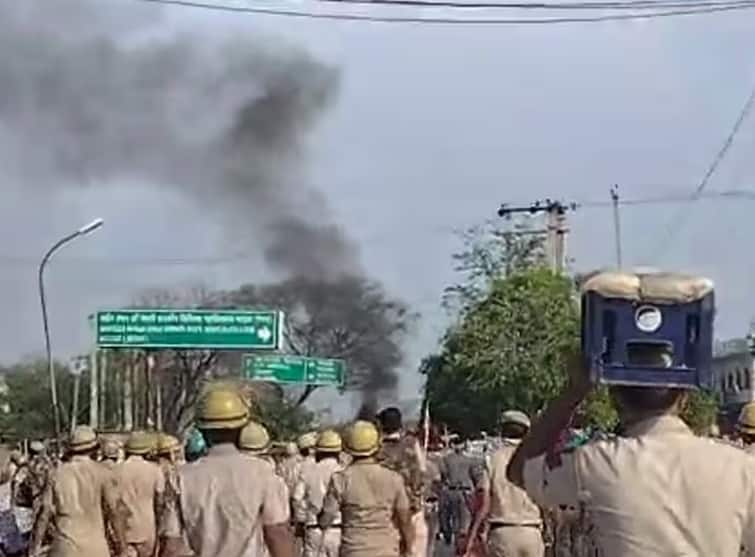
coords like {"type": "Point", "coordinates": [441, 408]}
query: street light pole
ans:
{"type": "Point", "coordinates": [84, 230]}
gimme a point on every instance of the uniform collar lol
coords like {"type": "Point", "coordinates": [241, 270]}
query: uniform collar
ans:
{"type": "Point", "coordinates": [392, 437]}
{"type": "Point", "coordinates": [223, 449]}
{"type": "Point", "coordinates": [658, 425]}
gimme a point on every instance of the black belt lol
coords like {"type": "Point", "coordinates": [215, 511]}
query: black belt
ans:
{"type": "Point", "coordinates": [496, 525]}
{"type": "Point", "coordinates": [318, 527]}
{"type": "Point", "coordinates": [459, 488]}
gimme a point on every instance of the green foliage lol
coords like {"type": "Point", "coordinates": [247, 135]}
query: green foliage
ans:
{"type": "Point", "coordinates": [28, 401]}
{"type": "Point", "coordinates": [700, 412]}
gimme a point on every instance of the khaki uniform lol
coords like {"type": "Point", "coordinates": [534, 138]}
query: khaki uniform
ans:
{"type": "Point", "coordinates": [750, 449]}
{"type": "Point", "coordinates": [367, 497]}
{"type": "Point", "coordinates": [308, 498]}
{"type": "Point", "coordinates": [281, 493]}
{"type": "Point", "coordinates": [515, 522]}
{"type": "Point", "coordinates": [80, 502]}
{"type": "Point", "coordinates": [655, 492]}
{"type": "Point", "coordinates": [288, 469]}
{"type": "Point", "coordinates": [404, 456]}
{"type": "Point", "coordinates": [142, 486]}
{"type": "Point", "coordinates": [225, 500]}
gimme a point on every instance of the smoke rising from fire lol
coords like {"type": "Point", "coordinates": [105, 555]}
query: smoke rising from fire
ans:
{"type": "Point", "coordinates": [225, 123]}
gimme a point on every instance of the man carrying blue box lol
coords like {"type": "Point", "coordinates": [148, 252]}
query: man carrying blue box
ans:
{"type": "Point", "coordinates": [656, 490]}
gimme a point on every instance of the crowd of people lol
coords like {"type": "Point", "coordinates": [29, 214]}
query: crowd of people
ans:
{"type": "Point", "coordinates": [374, 489]}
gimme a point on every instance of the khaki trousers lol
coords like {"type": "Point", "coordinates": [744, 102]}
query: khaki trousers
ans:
{"type": "Point", "coordinates": [419, 526]}
{"type": "Point", "coordinates": [319, 543]}
{"type": "Point", "coordinates": [515, 541]}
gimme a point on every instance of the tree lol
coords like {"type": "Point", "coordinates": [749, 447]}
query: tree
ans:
{"type": "Point", "coordinates": [26, 403]}
{"type": "Point", "coordinates": [180, 374]}
{"type": "Point", "coordinates": [350, 318]}
{"type": "Point", "coordinates": [515, 322]}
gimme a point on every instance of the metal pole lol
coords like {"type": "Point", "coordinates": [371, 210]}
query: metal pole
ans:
{"type": "Point", "coordinates": [616, 224]}
{"type": "Point", "coordinates": [103, 389]}
{"type": "Point", "coordinates": [128, 398]}
{"type": "Point", "coordinates": [75, 405]}
{"type": "Point", "coordinates": [94, 383]}
{"type": "Point", "coordinates": [46, 324]}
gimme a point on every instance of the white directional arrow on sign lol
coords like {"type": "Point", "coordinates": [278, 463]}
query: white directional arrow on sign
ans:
{"type": "Point", "coordinates": [264, 334]}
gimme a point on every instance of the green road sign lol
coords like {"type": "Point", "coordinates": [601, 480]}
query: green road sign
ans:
{"type": "Point", "coordinates": [294, 369]}
{"type": "Point", "coordinates": [190, 329]}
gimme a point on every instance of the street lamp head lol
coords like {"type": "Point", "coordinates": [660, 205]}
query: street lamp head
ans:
{"type": "Point", "coordinates": [91, 227]}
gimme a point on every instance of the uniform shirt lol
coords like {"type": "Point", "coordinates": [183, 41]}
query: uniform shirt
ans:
{"type": "Point", "coordinates": [368, 497]}
{"type": "Point", "coordinates": [309, 493]}
{"type": "Point", "coordinates": [79, 500]}
{"type": "Point", "coordinates": [226, 499]}
{"type": "Point", "coordinates": [509, 504]}
{"type": "Point", "coordinates": [457, 470]}
{"type": "Point", "coordinates": [141, 485]}
{"type": "Point", "coordinates": [655, 492]}
{"type": "Point", "coordinates": [404, 456]}
{"type": "Point", "coordinates": [288, 469]}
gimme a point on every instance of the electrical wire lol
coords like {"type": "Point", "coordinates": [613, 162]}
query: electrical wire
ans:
{"type": "Point", "coordinates": [734, 6]}
{"type": "Point", "coordinates": [685, 198]}
{"type": "Point", "coordinates": [243, 256]}
{"type": "Point", "coordinates": [563, 6]}
{"type": "Point", "coordinates": [680, 218]}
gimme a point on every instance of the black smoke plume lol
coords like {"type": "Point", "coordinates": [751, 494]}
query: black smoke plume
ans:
{"type": "Point", "coordinates": [88, 98]}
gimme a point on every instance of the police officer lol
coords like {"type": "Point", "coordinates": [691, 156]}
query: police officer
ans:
{"type": "Point", "coordinates": [226, 498]}
{"type": "Point", "coordinates": [111, 454]}
{"type": "Point", "coordinates": [306, 444]}
{"type": "Point", "coordinates": [401, 452]}
{"type": "Point", "coordinates": [255, 442]}
{"type": "Point", "coordinates": [81, 504]}
{"type": "Point", "coordinates": [370, 500]}
{"type": "Point", "coordinates": [142, 486]}
{"type": "Point", "coordinates": [457, 475]}
{"type": "Point", "coordinates": [309, 495]}
{"type": "Point", "coordinates": [657, 490]}
{"type": "Point", "coordinates": [514, 521]}
{"type": "Point", "coordinates": [746, 427]}
{"type": "Point", "coordinates": [288, 468]}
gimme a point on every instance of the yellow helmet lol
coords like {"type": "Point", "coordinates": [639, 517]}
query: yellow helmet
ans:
{"type": "Point", "coordinates": [254, 438]}
{"type": "Point", "coordinates": [329, 442]}
{"type": "Point", "coordinates": [222, 409]}
{"type": "Point", "coordinates": [362, 439]}
{"type": "Point", "coordinates": [111, 449]}
{"type": "Point", "coordinates": [140, 443]}
{"type": "Point", "coordinates": [307, 441]}
{"type": "Point", "coordinates": [746, 422]}
{"type": "Point", "coordinates": [83, 439]}
{"type": "Point", "coordinates": [166, 444]}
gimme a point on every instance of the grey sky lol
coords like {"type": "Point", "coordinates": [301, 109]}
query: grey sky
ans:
{"type": "Point", "coordinates": [433, 127]}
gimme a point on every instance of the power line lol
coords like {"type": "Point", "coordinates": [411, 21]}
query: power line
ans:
{"type": "Point", "coordinates": [563, 6]}
{"type": "Point", "coordinates": [673, 199]}
{"type": "Point", "coordinates": [724, 7]}
{"type": "Point", "coordinates": [679, 219]}
{"type": "Point", "coordinates": [242, 256]}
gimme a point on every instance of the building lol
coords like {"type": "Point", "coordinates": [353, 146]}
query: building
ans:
{"type": "Point", "coordinates": [734, 378]}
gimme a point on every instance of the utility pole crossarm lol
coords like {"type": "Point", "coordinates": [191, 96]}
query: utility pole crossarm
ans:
{"type": "Point", "coordinates": [556, 230]}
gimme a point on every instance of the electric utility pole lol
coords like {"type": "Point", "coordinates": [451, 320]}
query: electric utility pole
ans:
{"type": "Point", "coordinates": [555, 230]}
